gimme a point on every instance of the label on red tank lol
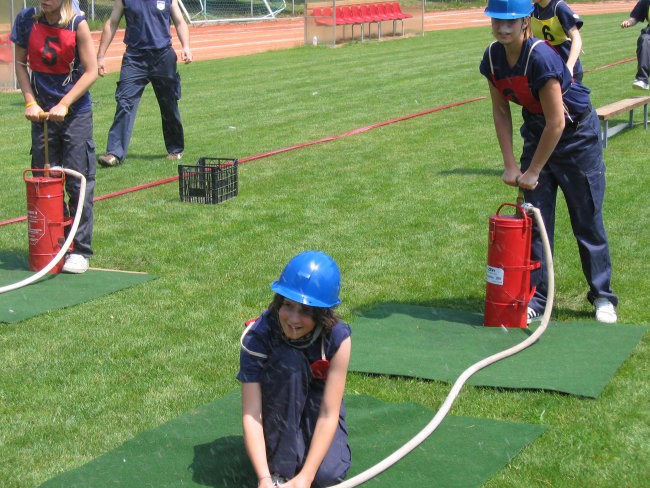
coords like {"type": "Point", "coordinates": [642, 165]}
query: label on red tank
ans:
{"type": "Point", "coordinates": [494, 275]}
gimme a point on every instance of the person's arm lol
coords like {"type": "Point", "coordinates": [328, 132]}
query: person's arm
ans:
{"type": "Point", "coordinates": [86, 50]}
{"type": "Point", "coordinates": [108, 32]}
{"type": "Point", "coordinates": [576, 47]}
{"type": "Point", "coordinates": [550, 96]}
{"type": "Point", "coordinates": [254, 432]}
{"type": "Point", "coordinates": [182, 31]}
{"type": "Point", "coordinates": [328, 417]}
{"type": "Point", "coordinates": [32, 109]}
{"type": "Point", "coordinates": [503, 127]}
{"type": "Point", "coordinates": [628, 23]}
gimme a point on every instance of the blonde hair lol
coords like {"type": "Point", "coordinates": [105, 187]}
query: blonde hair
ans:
{"type": "Point", "coordinates": [65, 10]}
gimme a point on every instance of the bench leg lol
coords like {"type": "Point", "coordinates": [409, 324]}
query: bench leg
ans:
{"type": "Point", "coordinates": [645, 116]}
{"type": "Point", "coordinates": [605, 124]}
{"type": "Point", "coordinates": [631, 122]}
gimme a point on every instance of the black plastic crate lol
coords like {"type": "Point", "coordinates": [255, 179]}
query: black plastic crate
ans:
{"type": "Point", "coordinates": [211, 180]}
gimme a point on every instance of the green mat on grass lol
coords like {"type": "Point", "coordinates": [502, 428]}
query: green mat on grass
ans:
{"type": "Point", "coordinates": [439, 344]}
{"type": "Point", "coordinates": [56, 291]}
{"type": "Point", "coordinates": [205, 447]}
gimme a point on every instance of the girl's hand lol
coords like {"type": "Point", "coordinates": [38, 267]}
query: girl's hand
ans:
{"type": "Point", "coordinates": [58, 112]}
{"type": "Point", "coordinates": [266, 482]}
{"type": "Point", "coordinates": [527, 181]}
{"type": "Point", "coordinates": [296, 482]}
{"type": "Point", "coordinates": [33, 113]}
{"type": "Point", "coordinates": [511, 176]}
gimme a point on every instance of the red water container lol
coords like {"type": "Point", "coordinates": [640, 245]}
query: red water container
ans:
{"type": "Point", "coordinates": [508, 288]}
{"type": "Point", "coordinates": [45, 218]}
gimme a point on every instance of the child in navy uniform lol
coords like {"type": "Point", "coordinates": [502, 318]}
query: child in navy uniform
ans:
{"type": "Point", "coordinates": [293, 368]}
{"type": "Point", "coordinates": [562, 146]}
{"type": "Point", "coordinates": [640, 14]}
{"type": "Point", "coordinates": [55, 66]}
{"type": "Point", "coordinates": [555, 22]}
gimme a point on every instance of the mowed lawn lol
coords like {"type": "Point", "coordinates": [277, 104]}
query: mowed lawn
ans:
{"type": "Point", "coordinates": [403, 208]}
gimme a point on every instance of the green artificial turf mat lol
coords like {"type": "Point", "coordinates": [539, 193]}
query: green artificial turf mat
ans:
{"type": "Point", "coordinates": [439, 344]}
{"type": "Point", "coordinates": [55, 291]}
{"type": "Point", "coordinates": [205, 447]}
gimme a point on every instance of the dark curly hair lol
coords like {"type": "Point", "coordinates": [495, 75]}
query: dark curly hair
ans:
{"type": "Point", "coordinates": [326, 317]}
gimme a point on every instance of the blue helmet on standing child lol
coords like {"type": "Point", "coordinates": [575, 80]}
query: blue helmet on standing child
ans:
{"type": "Point", "coordinates": [310, 278]}
{"type": "Point", "coordinates": [508, 9]}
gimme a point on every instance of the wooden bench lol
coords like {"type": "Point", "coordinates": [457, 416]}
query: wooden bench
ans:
{"type": "Point", "coordinates": [608, 112]}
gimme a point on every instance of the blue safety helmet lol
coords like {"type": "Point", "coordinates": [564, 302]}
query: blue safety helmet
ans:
{"type": "Point", "coordinates": [310, 278]}
{"type": "Point", "coordinates": [508, 9]}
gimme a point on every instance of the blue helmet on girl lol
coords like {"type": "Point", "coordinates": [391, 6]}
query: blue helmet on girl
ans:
{"type": "Point", "coordinates": [508, 9]}
{"type": "Point", "coordinates": [310, 278]}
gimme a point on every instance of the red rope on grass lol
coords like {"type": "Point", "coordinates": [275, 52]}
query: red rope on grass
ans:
{"type": "Point", "coordinates": [611, 64]}
{"type": "Point", "coordinates": [360, 130]}
{"type": "Point", "coordinates": [135, 188]}
{"type": "Point", "coordinates": [276, 151]}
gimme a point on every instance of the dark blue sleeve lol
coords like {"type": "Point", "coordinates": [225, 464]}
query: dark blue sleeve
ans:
{"type": "Point", "coordinates": [568, 18]}
{"type": "Point", "coordinates": [548, 64]}
{"type": "Point", "coordinates": [340, 332]}
{"type": "Point", "coordinates": [484, 67]}
{"type": "Point", "coordinates": [640, 11]}
{"type": "Point", "coordinates": [22, 27]}
{"type": "Point", "coordinates": [256, 340]}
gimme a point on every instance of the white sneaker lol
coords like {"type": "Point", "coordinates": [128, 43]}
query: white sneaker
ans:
{"type": "Point", "coordinates": [640, 84]}
{"type": "Point", "coordinates": [533, 316]}
{"type": "Point", "coordinates": [75, 264]}
{"type": "Point", "coordinates": [605, 311]}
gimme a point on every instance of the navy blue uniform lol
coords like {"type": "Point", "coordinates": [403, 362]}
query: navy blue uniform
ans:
{"type": "Point", "coordinates": [291, 397]}
{"type": "Point", "coordinates": [553, 23]}
{"type": "Point", "coordinates": [576, 165]}
{"type": "Point", "coordinates": [55, 68]}
{"type": "Point", "coordinates": [149, 58]}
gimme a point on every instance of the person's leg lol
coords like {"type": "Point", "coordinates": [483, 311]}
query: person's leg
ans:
{"type": "Point", "coordinates": [166, 84]}
{"type": "Point", "coordinates": [78, 153]}
{"type": "Point", "coordinates": [285, 385]}
{"type": "Point", "coordinates": [337, 460]}
{"type": "Point", "coordinates": [133, 80]}
{"type": "Point", "coordinates": [643, 55]}
{"type": "Point", "coordinates": [582, 181]}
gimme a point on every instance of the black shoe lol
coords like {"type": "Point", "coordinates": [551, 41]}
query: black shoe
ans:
{"type": "Point", "coordinates": [108, 160]}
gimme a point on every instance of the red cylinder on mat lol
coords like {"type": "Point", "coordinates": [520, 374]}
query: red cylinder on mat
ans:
{"type": "Point", "coordinates": [45, 217]}
{"type": "Point", "coordinates": [508, 289]}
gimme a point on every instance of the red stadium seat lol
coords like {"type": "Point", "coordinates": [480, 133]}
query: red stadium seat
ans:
{"type": "Point", "coordinates": [345, 13]}
{"type": "Point", "coordinates": [370, 19]}
{"type": "Point", "coordinates": [321, 17]}
{"type": "Point", "coordinates": [398, 14]}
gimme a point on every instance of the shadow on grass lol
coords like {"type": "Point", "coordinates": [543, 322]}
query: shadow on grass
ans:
{"type": "Point", "coordinates": [473, 171]}
{"type": "Point", "coordinates": [223, 463]}
{"type": "Point", "coordinates": [14, 259]}
{"type": "Point", "coordinates": [459, 309]}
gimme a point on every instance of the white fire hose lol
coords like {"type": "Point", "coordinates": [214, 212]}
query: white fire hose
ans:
{"type": "Point", "coordinates": [66, 245]}
{"type": "Point", "coordinates": [465, 375]}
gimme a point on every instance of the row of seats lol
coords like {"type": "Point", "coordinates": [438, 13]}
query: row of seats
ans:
{"type": "Point", "coordinates": [369, 13]}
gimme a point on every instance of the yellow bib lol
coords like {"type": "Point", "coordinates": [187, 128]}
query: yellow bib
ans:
{"type": "Point", "coordinates": [550, 30]}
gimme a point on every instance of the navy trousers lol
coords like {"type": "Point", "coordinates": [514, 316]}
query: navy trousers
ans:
{"type": "Point", "coordinates": [643, 55]}
{"type": "Point", "coordinates": [291, 402]}
{"type": "Point", "coordinates": [577, 168]}
{"type": "Point", "coordinates": [71, 145]}
{"type": "Point", "coordinates": [139, 68]}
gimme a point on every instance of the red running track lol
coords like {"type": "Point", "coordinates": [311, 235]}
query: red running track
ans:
{"type": "Point", "coordinates": [215, 41]}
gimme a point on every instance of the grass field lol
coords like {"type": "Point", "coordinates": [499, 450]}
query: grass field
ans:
{"type": "Point", "coordinates": [403, 209]}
